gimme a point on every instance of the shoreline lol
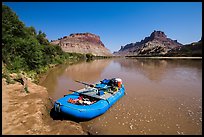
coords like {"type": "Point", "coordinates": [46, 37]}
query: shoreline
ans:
{"type": "Point", "coordinates": [167, 57]}
{"type": "Point", "coordinates": [29, 113]}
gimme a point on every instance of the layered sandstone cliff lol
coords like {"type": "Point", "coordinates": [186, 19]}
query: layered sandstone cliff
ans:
{"type": "Point", "coordinates": [156, 44]}
{"type": "Point", "coordinates": [83, 43]}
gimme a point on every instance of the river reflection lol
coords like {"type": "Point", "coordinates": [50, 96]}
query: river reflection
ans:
{"type": "Point", "coordinates": [155, 69]}
{"type": "Point", "coordinates": [163, 96]}
{"type": "Point", "coordinates": [60, 79]}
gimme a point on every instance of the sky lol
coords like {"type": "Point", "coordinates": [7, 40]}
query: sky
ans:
{"type": "Point", "coordinates": [117, 23]}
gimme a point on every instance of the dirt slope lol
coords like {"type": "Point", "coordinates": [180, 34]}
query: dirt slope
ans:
{"type": "Point", "coordinates": [28, 113]}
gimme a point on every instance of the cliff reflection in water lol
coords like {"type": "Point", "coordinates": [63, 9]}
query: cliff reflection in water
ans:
{"type": "Point", "coordinates": [84, 71]}
{"type": "Point", "coordinates": [155, 69]}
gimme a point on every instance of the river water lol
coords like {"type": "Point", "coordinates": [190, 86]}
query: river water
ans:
{"type": "Point", "coordinates": [164, 96]}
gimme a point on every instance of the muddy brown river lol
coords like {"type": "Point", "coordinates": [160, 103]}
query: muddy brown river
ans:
{"type": "Point", "coordinates": [164, 96]}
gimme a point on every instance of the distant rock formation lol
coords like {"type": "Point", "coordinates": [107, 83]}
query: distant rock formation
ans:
{"type": "Point", "coordinates": [83, 43]}
{"type": "Point", "coordinates": [156, 44]}
{"type": "Point", "coordinates": [193, 49]}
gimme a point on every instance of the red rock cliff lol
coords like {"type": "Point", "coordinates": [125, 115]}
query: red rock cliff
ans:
{"type": "Point", "coordinates": [83, 43]}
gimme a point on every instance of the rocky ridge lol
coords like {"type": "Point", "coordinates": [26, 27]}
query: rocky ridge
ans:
{"type": "Point", "coordinates": [156, 44]}
{"type": "Point", "coordinates": [82, 43]}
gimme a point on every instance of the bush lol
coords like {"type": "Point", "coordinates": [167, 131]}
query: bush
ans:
{"type": "Point", "coordinates": [18, 63]}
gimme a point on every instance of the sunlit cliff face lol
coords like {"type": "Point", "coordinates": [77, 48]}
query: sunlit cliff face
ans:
{"type": "Point", "coordinates": [83, 43]}
{"type": "Point", "coordinates": [156, 44]}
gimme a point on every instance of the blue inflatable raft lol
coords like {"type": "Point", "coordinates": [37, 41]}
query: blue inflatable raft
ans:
{"type": "Point", "coordinates": [91, 101]}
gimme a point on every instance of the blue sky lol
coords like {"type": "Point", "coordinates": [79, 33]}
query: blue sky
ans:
{"type": "Point", "coordinates": [117, 23]}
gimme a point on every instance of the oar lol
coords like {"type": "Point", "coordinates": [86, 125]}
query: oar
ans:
{"type": "Point", "coordinates": [91, 90]}
{"type": "Point", "coordinates": [91, 85]}
{"type": "Point", "coordinates": [79, 92]}
{"type": "Point", "coordinates": [90, 96]}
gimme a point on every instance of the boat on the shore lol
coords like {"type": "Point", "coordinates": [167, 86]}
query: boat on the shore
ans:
{"type": "Point", "coordinates": [91, 101]}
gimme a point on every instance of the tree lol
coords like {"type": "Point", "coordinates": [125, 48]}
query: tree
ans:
{"type": "Point", "coordinates": [11, 26]}
{"type": "Point", "coordinates": [41, 37]}
{"type": "Point", "coordinates": [31, 31]}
